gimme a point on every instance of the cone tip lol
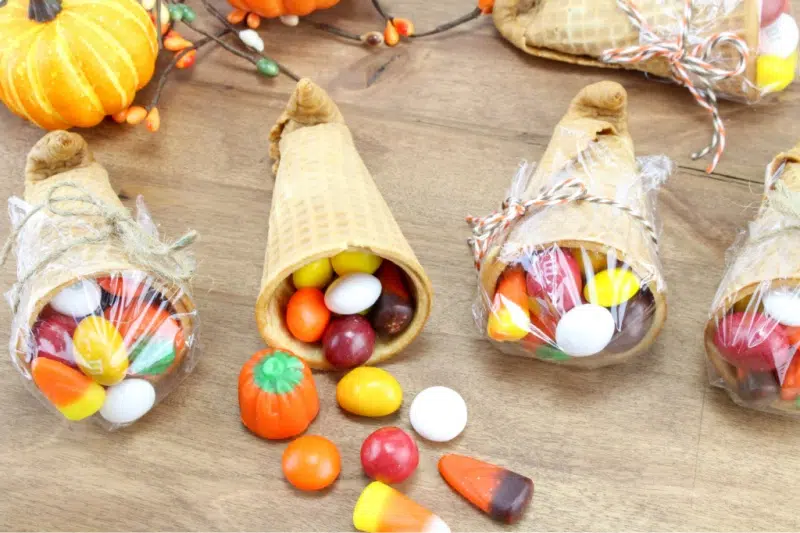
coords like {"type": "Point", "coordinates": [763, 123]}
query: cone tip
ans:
{"type": "Point", "coordinates": [607, 96]}
{"type": "Point", "coordinates": [311, 104]}
{"type": "Point", "coordinates": [56, 152]}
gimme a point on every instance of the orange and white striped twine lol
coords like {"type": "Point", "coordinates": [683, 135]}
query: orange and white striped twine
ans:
{"type": "Point", "coordinates": [689, 65]}
{"type": "Point", "coordinates": [486, 229]}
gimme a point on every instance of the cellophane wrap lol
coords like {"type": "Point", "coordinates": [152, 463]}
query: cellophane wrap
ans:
{"type": "Point", "coordinates": [566, 293]}
{"type": "Point", "coordinates": [753, 332]}
{"type": "Point", "coordinates": [587, 31]}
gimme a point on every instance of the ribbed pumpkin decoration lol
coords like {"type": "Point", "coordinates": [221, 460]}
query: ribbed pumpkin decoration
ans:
{"type": "Point", "coordinates": [66, 63]}
{"type": "Point", "coordinates": [279, 8]}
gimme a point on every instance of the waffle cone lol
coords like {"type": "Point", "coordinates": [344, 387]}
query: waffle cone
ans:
{"type": "Point", "coordinates": [579, 31]}
{"type": "Point", "coordinates": [62, 156]}
{"type": "Point", "coordinates": [325, 202]}
{"type": "Point", "coordinates": [775, 260]}
{"type": "Point", "coordinates": [591, 143]}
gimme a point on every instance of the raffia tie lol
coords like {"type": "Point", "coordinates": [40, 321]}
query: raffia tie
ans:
{"type": "Point", "coordinates": [687, 64]}
{"type": "Point", "coordinates": [116, 224]}
{"type": "Point", "coordinates": [486, 229]}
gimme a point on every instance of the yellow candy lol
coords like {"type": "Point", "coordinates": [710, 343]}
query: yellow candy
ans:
{"type": "Point", "coordinates": [91, 402]}
{"type": "Point", "coordinates": [508, 324]}
{"type": "Point", "coordinates": [316, 274]}
{"type": "Point", "coordinates": [354, 261]}
{"type": "Point", "coordinates": [774, 73]}
{"type": "Point", "coordinates": [611, 287]}
{"type": "Point", "coordinates": [369, 391]}
{"type": "Point", "coordinates": [100, 350]}
{"type": "Point", "coordinates": [597, 260]}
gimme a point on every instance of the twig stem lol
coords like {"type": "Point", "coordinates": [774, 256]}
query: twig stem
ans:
{"type": "Point", "coordinates": [475, 13]}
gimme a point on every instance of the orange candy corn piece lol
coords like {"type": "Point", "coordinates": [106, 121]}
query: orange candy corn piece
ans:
{"type": "Point", "coordinates": [73, 393]}
{"type": "Point", "coordinates": [380, 508]}
{"type": "Point", "coordinates": [498, 492]}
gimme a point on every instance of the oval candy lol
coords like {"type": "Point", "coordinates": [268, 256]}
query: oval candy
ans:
{"type": "Point", "coordinates": [79, 299]}
{"type": "Point", "coordinates": [783, 305]}
{"type": "Point", "coordinates": [100, 350]}
{"type": "Point", "coordinates": [352, 293]}
{"type": "Point", "coordinates": [352, 261]}
{"type": "Point", "coordinates": [369, 391]}
{"type": "Point", "coordinates": [316, 275]}
{"type": "Point", "coordinates": [585, 330]}
{"type": "Point", "coordinates": [128, 401]}
{"type": "Point", "coordinates": [611, 287]}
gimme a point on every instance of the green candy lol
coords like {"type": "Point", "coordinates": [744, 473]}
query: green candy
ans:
{"type": "Point", "coordinates": [152, 357]}
{"type": "Point", "coordinates": [267, 67]}
{"type": "Point", "coordinates": [188, 13]}
{"type": "Point", "coordinates": [548, 353]}
{"type": "Point", "coordinates": [175, 12]}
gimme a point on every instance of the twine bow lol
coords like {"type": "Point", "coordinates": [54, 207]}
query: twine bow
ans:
{"type": "Point", "coordinates": [486, 229]}
{"type": "Point", "coordinates": [686, 63]}
{"type": "Point", "coordinates": [141, 247]}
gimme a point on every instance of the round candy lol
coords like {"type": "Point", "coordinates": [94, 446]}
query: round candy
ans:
{"type": "Point", "coordinates": [352, 293]}
{"type": "Point", "coordinates": [311, 462]}
{"type": "Point", "coordinates": [611, 287]}
{"type": "Point", "coordinates": [352, 261]}
{"type": "Point", "coordinates": [783, 305]}
{"type": "Point", "coordinates": [389, 455]}
{"type": "Point", "coordinates": [555, 276]}
{"type": "Point", "coordinates": [100, 350]}
{"type": "Point", "coordinates": [348, 341]}
{"type": "Point", "coordinates": [635, 318]}
{"type": "Point", "coordinates": [772, 9]}
{"type": "Point", "coordinates": [306, 315]}
{"type": "Point", "coordinates": [752, 341]}
{"type": "Point", "coordinates": [779, 38]}
{"type": "Point", "coordinates": [369, 391]}
{"type": "Point", "coordinates": [438, 414]}
{"type": "Point", "coordinates": [78, 300]}
{"type": "Point", "coordinates": [585, 330]}
{"type": "Point", "coordinates": [52, 334]}
{"type": "Point", "coordinates": [316, 274]}
{"type": "Point", "coordinates": [128, 401]}
{"type": "Point", "coordinates": [774, 74]}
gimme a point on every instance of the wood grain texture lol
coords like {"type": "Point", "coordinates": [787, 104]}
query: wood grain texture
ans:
{"type": "Point", "coordinates": [442, 124]}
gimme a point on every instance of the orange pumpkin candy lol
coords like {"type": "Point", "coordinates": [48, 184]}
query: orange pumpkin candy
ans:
{"type": "Point", "coordinates": [277, 395]}
{"type": "Point", "coordinates": [279, 8]}
{"type": "Point", "coordinates": [74, 61]}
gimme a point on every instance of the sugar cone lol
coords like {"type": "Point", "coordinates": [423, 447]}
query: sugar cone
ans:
{"type": "Point", "coordinates": [61, 157]}
{"type": "Point", "coordinates": [764, 256]}
{"type": "Point", "coordinates": [592, 144]}
{"type": "Point", "coordinates": [579, 31]}
{"type": "Point", "coordinates": [325, 202]}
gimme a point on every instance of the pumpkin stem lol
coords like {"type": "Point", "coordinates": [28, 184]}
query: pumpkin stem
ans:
{"type": "Point", "coordinates": [43, 10]}
{"type": "Point", "coordinates": [278, 373]}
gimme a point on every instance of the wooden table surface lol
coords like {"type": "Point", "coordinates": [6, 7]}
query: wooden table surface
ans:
{"type": "Point", "coordinates": [442, 124]}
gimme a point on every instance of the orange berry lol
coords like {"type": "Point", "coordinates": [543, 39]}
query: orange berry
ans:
{"type": "Point", "coordinates": [153, 120]}
{"type": "Point", "coordinates": [253, 21]}
{"type": "Point", "coordinates": [403, 26]}
{"type": "Point", "coordinates": [236, 16]}
{"type": "Point", "coordinates": [486, 6]}
{"type": "Point", "coordinates": [390, 35]}
{"type": "Point", "coordinates": [187, 60]}
{"type": "Point", "coordinates": [120, 116]}
{"type": "Point", "coordinates": [136, 114]}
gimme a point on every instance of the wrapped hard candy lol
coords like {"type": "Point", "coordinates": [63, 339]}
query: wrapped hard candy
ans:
{"type": "Point", "coordinates": [752, 341]}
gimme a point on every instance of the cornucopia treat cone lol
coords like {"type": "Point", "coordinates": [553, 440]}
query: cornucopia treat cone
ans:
{"type": "Point", "coordinates": [753, 332]}
{"type": "Point", "coordinates": [104, 323]}
{"type": "Point", "coordinates": [569, 270]}
{"type": "Point", "coordinates": [329, 219]}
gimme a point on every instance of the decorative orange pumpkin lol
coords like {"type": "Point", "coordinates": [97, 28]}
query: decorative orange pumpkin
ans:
{"type": "Point", "coordinates": [66, 63]}
{"type": "Point", "coordinates": [277, 395]}
{"type": "Point", "coordinates": [279, 8]}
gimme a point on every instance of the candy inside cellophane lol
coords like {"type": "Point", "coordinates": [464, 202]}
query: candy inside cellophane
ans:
{"type": "Point", "coordinates": [106, 347]}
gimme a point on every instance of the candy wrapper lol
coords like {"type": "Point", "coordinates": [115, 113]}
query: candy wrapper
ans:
{"type": "Point", "coordinates": [738, 49]}
{"type": "Point", "coordinates": [753, 332]}
{"type": "Point", "coordinates": [341, 285]}
{"type": "Point", "coordinates": [104, 325]}
{"type": "Point", "coordinates": [569, 269]}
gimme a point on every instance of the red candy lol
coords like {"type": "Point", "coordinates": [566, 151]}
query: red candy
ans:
{"type": "Point", "coordinates": [752, 341]}
{"type": "Point", "coordinates": [556, 276]}
{"type": "Point", "coordinates": [389, 455]}
{"type": "Point", "coordinates": [126, 287]}
{"type": "Point", "coordinates": [348, 341]}
{"type": "Point", "coordinates": [53, 335]}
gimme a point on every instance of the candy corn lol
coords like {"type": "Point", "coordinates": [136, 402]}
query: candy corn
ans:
{"type": "Point", "coordinates": [500, 493]}
{"type": "Point", "coordinates": [74, 394]}
{"type": "Point", "coordinates": [509, 319]}
{"type": "Point", "coordinates": [381, 508]}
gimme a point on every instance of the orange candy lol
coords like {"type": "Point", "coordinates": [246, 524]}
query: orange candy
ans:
{"type": "Point", "coordinates": [141, 319]}
{"type": "Point", "coordinates": [306, 314]}
{"type": "Point", "coordinates": [311, 463]}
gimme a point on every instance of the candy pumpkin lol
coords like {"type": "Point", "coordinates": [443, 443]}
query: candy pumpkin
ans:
{"type": "Point", "coordinates": [277, 395]}
{"type": "Point", "coordinates": [68, 63]}
{"type": "Point", "coordinates": [279, 8]}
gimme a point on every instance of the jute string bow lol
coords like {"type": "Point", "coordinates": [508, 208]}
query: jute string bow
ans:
{"type": "Point", "coordinates": [115, 224]}
{"type": "Point", "coordinates": [687, 63]}
{"type": "Point", "coordinates": [486, 229]}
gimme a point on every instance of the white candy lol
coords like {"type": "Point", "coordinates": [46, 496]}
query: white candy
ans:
{"type": "Point", "coordinates": [149, 4]}
{"type": "Point", "coordinates": [438, 414]}
{"type": "Point", "coordinates": [290, 20]}
{"type": "Point", "coordinates": [585, 330]}
{"type": "Point", "coordinates": [252, 39]}
{"type": "Point", "coordinates": [128, 400]}
{"type": "Point", "coordinates": [78, 300]}
{"type": "Point", "coordinates": [783, 305]}
{"type": "Point", "coordinates": [352, 293]}
{"type": "Point", "coordinates": [779, 38]}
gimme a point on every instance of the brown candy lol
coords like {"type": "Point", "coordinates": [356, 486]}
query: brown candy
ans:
{"type": "Point", "coordinates": [633, 319]}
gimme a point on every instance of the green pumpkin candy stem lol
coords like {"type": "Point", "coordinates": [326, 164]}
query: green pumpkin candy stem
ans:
{"type": "Point", "coordinates": [43, 10]}
{"type": "Point", "coordinates": [279, 373]}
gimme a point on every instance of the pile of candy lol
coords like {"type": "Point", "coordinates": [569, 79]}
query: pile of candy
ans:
{"type": "Point", "coordinates": [559, 303]}
{"type": "Point", "coordinates": [759, 337]}
{"type": "Point", "coordinates": [104, 345]}
{"type": "Point", "coordinates": [346, 301]}
{"type": "Point", "coordinates": [278, 400]}
{"type": "Point", "coordinates": [777, 46]}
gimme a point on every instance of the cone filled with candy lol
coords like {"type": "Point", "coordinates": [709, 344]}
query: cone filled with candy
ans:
{"type": "Point", "coordinates": [104, 324]}
{"type": "Point", "coordinates": [753, 332]}
{"type": "Point", "coordinates": [569, 269]}
{"type": "Point", "coordinates": [341, 285]}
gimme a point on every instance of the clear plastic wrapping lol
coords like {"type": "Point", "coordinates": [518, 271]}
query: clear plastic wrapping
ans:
{"type": "Point", "coordinates": [753, 333]}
